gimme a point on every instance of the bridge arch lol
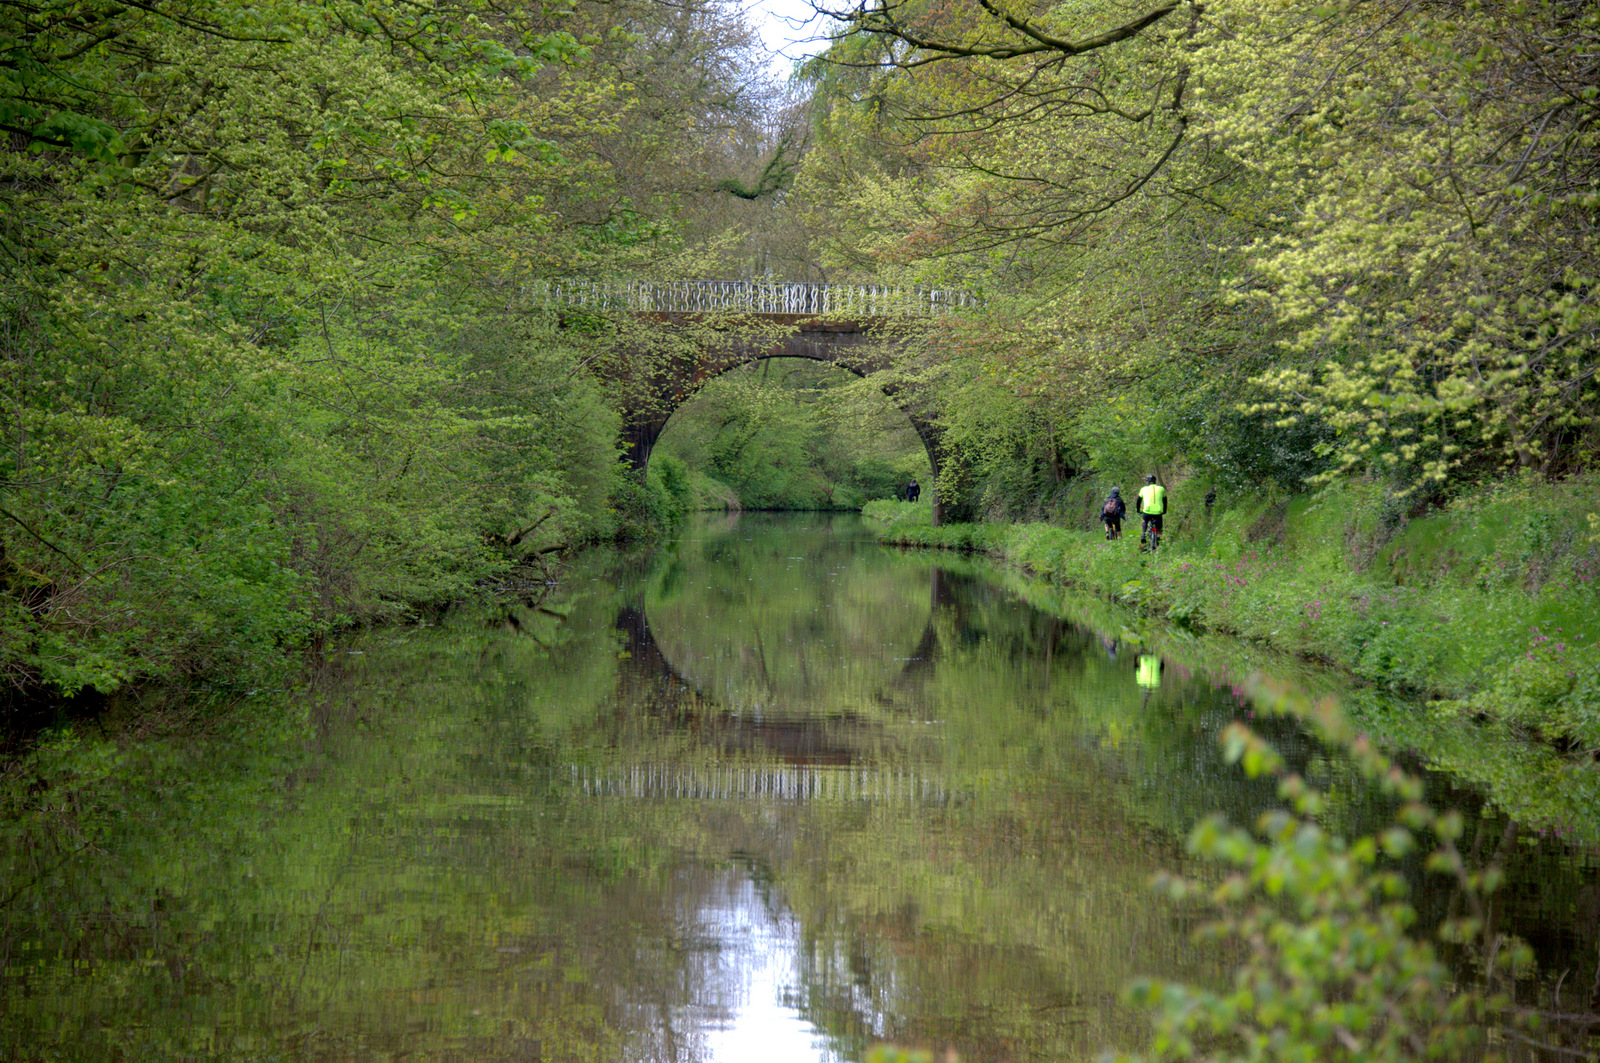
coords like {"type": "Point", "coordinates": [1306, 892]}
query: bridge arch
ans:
{"type": "Point", "coordinates": [667, 383]}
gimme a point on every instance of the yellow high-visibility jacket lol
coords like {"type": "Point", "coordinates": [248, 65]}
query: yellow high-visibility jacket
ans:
{"type": "Point", "coordinates": [1153, 499]}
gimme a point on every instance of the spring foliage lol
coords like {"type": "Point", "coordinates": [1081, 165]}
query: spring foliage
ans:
{"type": "Point", "coordinates": [1362, 229]}
{"type": "Point", "coordinates": [1321, 923]}
{"type": "Point", "coordinates": [262, 364]}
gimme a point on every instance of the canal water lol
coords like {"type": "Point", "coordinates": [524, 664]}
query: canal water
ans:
{"type": "Point", "coordinates": [773, 793]}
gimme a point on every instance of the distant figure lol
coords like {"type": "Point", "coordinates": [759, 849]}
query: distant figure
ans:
{"type": "Point", "coordinates": [913, 490]}
{"type": "Point", "coordinates": [1211, 500]}
{"type": "Point", "coordinates": [1112, 512]}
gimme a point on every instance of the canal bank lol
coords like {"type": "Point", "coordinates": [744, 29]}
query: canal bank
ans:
{"type": "Point", "coordinates": [1483, 617]}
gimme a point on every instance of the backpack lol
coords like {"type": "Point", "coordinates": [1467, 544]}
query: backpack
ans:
{"type": "Point", "coordinates": [1111, 510]}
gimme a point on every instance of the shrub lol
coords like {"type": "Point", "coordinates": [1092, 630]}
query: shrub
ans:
{"type": "Point", "coordinates": [1329, 969]}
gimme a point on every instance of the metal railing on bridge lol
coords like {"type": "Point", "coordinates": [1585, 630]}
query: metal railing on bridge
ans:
{"type": "Point", "coordinates": [750, 297]}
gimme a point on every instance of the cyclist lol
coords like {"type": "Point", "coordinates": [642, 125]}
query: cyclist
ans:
{"type": "Point", "coordinates": [1152, 505]}
{"type": "Point", "coordinates": [1112, 512]}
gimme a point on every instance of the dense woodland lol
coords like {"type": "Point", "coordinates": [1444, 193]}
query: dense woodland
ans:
{"type": "Point", "coordinates": [270, 367]}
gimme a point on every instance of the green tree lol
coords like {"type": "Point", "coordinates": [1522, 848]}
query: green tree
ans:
{"type": "Point", "coordinates": [1438, 167]}
{"type": "Point", "coordinates": [791, 434]}
{"type": "Point", "coordinates": [264, 365]}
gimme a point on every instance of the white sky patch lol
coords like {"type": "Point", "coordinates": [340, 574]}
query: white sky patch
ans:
{"type": "Point", "coordinates": [763, 1027]}
{"type": "Point", "coordinates": [789, 29]}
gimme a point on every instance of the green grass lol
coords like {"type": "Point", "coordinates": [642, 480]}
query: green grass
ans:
{"type": "Point", "coordinates": [1489, 605]}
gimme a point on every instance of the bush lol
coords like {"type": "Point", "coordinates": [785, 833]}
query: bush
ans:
{"type": "Point", "coordinates": [1329, 970]}
{"type": "Point", "coordinates": [677, 495]}
{"type": "Point", "coordinates": [643, 507]}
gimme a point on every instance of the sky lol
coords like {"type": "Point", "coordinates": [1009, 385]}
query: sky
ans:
{"type": "Point", "coordinates": [785, 26]}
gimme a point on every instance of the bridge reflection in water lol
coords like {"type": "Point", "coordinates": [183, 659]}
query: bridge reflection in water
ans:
{"type": "Point", "coordinates": [741, 727]}
{"type": "Point", "coordinates": [745, 783]}
{"type": "Point", "coordinates": [791, 753]}
{"type": "Point", "coordinates": [783, 703]}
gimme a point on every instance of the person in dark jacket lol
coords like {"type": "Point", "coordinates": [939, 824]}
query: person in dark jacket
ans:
{"type": "Point", "coordinates": [1112, 512]}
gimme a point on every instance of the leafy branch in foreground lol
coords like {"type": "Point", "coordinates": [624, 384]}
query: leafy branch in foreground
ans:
{"type": "Point", "coordinates": [1328, 968]}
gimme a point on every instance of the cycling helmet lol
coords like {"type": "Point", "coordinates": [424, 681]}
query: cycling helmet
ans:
{"type": "Point", "coordinates": [1150, 479]}
{"type": "Point", "coordinates": [1116, 492]}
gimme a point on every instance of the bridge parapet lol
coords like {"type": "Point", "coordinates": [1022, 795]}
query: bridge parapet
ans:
{"type": "Point", "coordinates": [750, 297]}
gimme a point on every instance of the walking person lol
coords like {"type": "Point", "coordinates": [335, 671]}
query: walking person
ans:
{"type": "Point", "coordinates": [1152, 505]}
{"type": "Point", "coordinates": [1112, 512]}
{"type": "Point", "coordinates": [913, 490]}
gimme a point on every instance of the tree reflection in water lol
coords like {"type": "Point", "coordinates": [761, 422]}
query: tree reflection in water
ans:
{"type": "Point", "coordinates": [777, 787]}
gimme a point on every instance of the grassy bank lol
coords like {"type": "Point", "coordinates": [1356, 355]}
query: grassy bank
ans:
{"type": "Point", "coordinates": [1487, 606]}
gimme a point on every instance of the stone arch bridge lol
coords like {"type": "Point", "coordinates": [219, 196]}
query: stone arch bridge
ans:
{"type": "Point", "coordinates": [745, 322]}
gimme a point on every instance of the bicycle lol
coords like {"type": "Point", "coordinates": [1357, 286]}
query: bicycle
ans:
{"type": "Point", "coordinates": [1151, 532]}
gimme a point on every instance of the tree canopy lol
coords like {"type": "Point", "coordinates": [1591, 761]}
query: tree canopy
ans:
{"type": "Point", "coordinates": [1365, 226]}
{"type": "Point", "coordinates": [265, 364]}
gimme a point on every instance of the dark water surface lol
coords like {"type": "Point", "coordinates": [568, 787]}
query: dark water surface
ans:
{"type": "Point", "coordinates": [776, 794]}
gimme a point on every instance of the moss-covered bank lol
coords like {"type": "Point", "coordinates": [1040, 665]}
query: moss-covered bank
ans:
{"type": "Point", "coordinates": [1487, 606]}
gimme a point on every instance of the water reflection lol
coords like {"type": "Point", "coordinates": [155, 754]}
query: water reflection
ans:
{"type": "Point", "coordinates": [765, 1022]}
{"type": "Point", "coordinates": [865, 706]}
{"type": "Point", "coordinates": [775, 794]}
{"type": "Point", "coordinates": [789, 618]}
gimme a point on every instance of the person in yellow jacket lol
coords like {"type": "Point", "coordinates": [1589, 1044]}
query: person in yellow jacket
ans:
{"type": "Point", "coordinates": [1152, 504]}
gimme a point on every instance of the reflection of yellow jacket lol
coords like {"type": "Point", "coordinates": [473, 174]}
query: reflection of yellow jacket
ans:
{"type": "Point", "coordinates": [1152, 499]}
{"type": "Point", "coordinates": [1149, 670]}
